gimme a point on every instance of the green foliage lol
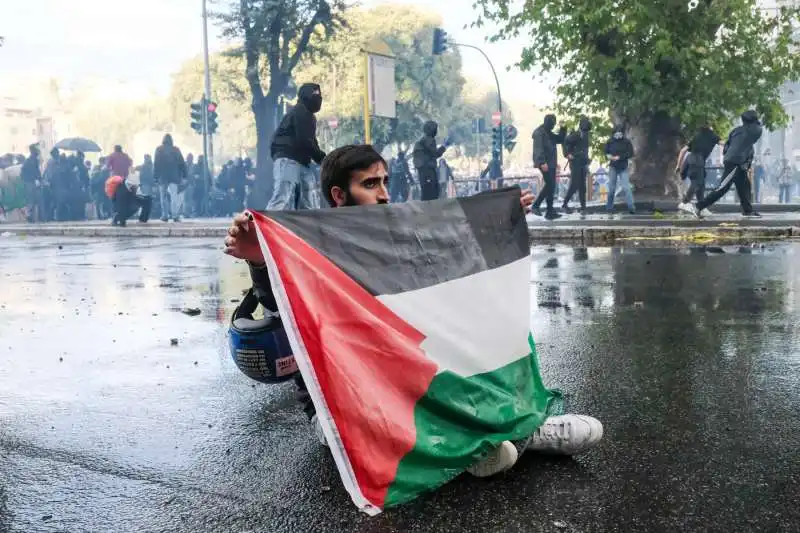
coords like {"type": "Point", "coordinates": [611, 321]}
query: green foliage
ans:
{"type": "Point", "coordinates": [641, 59]}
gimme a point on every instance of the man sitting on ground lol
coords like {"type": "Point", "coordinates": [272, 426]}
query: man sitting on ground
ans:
{"type": "Point", "coordinates": [357, 175]}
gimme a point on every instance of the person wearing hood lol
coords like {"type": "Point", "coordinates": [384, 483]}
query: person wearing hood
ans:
{"type": "Point", "coordinates": [737, 157]}
{"type": "Point", "coordinates": [294, 146]}
{"type": "Point", "coordinates": [619, 150]}
{"type": "Point", "coordinates": [425, 156]}
{"type": "Point", "coordinates": [576, 149]}
{"type": "Point", "coordinates": [545, 158]}
{"type": "Point", "coordinates": [169, 171]}
{"type": "Point", "coordinates": [699, 149]}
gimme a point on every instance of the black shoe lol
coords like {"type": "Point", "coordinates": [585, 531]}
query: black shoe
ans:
{"type": "Point", "coordinates": [631, 212]}
{"type": "Point", "coordinates": [567, 209]}
{"type": "Point", "coordinates": [536, 211]}
{"type": "Point", "coordinates": [752, 214]}
{"type": "Point", "coordinates": [552, 215]}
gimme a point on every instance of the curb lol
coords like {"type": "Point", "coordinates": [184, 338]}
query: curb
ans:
{"type": "Point", "coordinates": [573, 234]}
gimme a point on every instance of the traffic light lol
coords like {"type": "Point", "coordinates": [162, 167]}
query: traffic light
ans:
{"type": "Point", "coordinates": [197, 116]}
{"type": "Point", "coordinates": [497, 140]}
{"type": "Point", "coordinates": [509, 135]}
{"type": "Point", "coordinates": [439, 41]}
{"type": "Point", "coordinates": [211, 117]}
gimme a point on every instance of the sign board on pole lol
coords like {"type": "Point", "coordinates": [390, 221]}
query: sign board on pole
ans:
{"type": "Point", "coordinates": [382, 91]}
{"type": "Point", "coordinates": [496, 118]}
{"type": "Point", "coordinates": [333, 123]}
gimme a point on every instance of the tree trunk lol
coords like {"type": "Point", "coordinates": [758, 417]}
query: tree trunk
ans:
{"type": "Point", "coordinates": [656, 141]}
{"type": "Point", "coordinates": [264, 111]}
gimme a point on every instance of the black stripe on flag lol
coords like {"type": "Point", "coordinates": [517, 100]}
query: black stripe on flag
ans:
{"type": "Point", "coordinates": [389, 249]}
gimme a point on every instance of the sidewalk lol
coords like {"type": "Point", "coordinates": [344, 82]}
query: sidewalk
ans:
{"type": "Point", "coordinates": [591, 229]}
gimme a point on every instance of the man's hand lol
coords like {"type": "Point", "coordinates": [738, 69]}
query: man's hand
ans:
{"type": "Point", "coordinates": [242, 241]}
{"type": "Point", "coordinates": [544, 167]}
{"type": "Point", "coordinates": [570, 157]}
{"type": "Point", "coordinates": [615, 158]}
{"type": "Point", "coordinates": [526, 199]}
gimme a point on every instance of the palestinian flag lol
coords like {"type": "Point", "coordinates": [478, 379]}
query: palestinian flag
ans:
{"type": "Point", "coordinates": [410, 324]}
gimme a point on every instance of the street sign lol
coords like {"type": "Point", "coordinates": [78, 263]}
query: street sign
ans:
{"type": "Point", "coordinates": [333, 123]}
{"type": "Point", "coordinates": [496, 118]}
{"type": "Point", "coordinates": [381, 86]}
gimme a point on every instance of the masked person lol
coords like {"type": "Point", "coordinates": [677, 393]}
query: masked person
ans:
{"type": "Point", "coordinates": [425, 158]}
{"type": "Point", "coordinates": [737, 157]}
{"type": "Point", "coordinates": [545, 158]}
{"type": "Point", "coordinates": [620, 151]}
{"type": "Point", "coordinates": [700, 148]}
{"type": "Point", "coordinates": [576, 149]}
{"type": "Point", "coordinates": [294, 146]}
{"type": "Point", "coordinates": [357, 175]}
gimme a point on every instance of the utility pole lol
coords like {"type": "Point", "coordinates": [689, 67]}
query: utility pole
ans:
{"type": "Point", "coordinates": [208, 143]}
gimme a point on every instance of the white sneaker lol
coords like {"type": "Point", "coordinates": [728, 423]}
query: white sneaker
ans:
{"type": "Point", "coordinates": [499, 460]}
{"type": "Point", "coordinates": [706, 212]}
{"type": "Point", "coordinates": [318, 431]}
{"type": "Point", "coordinates": [566, 435]}
{"type": "Point", "coordinates": [686, 207]}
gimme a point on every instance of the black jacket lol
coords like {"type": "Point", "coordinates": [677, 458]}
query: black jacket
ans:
{"type": "Point", "coordinates": [577, 145]}
{"type": "Point", "coordinates": [545, 144]}
{"type": "Point", "coordinates": [168, 164]}
{"type": "Point", "coordinates": [296, 136]}
{"type": "Point", "coordinates": [425, 150]}
{"type": "Point", "coordinates": [739, 147]}
{"type": "Point", "coordinates": [703, 142]}
{"type": "Point", "coordinates": [622, 148]}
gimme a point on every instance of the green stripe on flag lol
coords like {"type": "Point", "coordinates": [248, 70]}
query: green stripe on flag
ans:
{"type": "Point", "coordinates": [459, 420]}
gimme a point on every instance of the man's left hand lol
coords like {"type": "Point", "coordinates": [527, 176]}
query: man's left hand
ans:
{"type": "Point", "coordinates": [526, 199]}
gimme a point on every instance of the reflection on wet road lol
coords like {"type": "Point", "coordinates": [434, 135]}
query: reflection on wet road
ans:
{"type": "Point", "coordinates": [689, 357]}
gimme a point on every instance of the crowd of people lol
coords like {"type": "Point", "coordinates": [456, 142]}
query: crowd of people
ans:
{"type": "Point", "coordinates": [67, 187]}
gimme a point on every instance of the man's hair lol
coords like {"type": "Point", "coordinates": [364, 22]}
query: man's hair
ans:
{"type": "Point", "coordinates": [118, 148]}
{"type": "Point", "coordinates": [338, 166]}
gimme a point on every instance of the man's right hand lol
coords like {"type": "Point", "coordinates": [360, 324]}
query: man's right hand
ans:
{"type": "Point", "coordinates": [242, 241]}
{"type": "Point", "coordinates": [544, 167]}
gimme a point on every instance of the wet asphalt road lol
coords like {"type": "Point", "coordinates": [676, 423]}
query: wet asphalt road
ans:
{"type": "Point", "coordinates": [689, 357]}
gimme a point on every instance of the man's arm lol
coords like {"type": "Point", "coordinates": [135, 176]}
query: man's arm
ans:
{"type": "Point", "coordinates": [539, 157]}
{"type": "Point", "coordinates": [262, 286]}
{"type": "Point", "coordinates": [305, 127]}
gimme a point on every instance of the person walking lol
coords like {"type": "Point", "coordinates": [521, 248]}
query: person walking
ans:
{"type": "Point", "coordinates": [737, 157]}
{"type": "Point", "coordinates": [700, 148]}
{"type": "Point", "coordinates": [169, 170]}
{"type": "Point", "coordinates": [620, 151]}
{"type": "Point", "coordinates": [576, 150]}
{"type": "Point", "coordinates": [545, 158]}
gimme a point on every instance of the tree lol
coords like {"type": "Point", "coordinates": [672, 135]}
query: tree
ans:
{"type": "Point", "coordinates": [275, 36]}
{"type": "Point", "coordinates": [426, 85]}
{"type": "Point", "coordinates": [657, 67]}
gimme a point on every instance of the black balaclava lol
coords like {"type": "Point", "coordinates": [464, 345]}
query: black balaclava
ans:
{"type": "Point", "coordinates": [619, 132]}
{"type": "Point", "coordinates": [550, 122]}
{"type": "Point", "coordinates": [430, 128]}
{"type": "Point", "coordinates": [750, 117]}
{"type": "Point", "coordinates": [311, 101]}
{"type": "Point", "coordinates": [585, 124]}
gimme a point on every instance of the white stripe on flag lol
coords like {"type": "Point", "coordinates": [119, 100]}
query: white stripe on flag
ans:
{"type": "Point", "coordinates": [473, 324]}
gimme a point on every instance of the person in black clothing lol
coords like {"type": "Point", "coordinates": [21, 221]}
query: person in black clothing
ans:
{"type": "Point", "coordinates": [576, 149]}
{"type": "Point", "coordinates": [425, 156]}
{"type": "Point", "coordinates": [400, 182]}
{"type": "Point", "coordinates": [127, 203]}
{"type": "Point", "coordinates": [700, 148]}
{"type": "Point", "coordinates": [545, 158]}
{"type": "Point", "coordinates": [31, 174]}
{"type": "Point", "coordinates": [737, 156]}
{"type": "Point", "coordinates": [294, 146]}
{"type": "Point", "coordinates": [620, 150]}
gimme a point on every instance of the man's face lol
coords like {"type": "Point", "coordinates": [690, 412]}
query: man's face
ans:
{"type": "Point", "coordinates": [367, 187]}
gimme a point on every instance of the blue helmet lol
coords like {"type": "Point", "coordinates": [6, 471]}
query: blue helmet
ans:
{"type": "Point", "coordinates": [260, 347]}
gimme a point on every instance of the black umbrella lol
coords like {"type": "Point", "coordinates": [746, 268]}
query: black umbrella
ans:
{"type": "Point", "coordinates": [78, 144]}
